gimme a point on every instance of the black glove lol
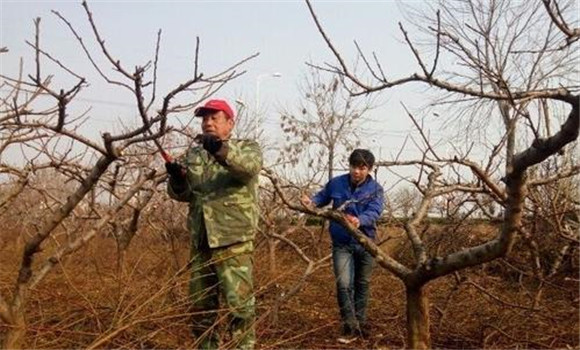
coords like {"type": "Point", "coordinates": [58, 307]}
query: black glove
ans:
{"type": "Point", "coordinates": [175, 170]}
{"type": "Point", "coordinates": [210, 142]}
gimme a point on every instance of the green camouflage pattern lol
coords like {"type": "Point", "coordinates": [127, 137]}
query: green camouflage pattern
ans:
{"type": "Point", "coordinates": [222, 220]}
{"type": "Point", "coordinates": [224, 197]}
{"type": "Point", "coordinates": [227, 270]}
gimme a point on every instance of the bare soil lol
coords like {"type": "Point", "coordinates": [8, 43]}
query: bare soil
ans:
{"type": "Point", "coordinates": [93, 300]}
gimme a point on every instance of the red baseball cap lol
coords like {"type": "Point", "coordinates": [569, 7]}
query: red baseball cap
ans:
{"type": "Point", "coordinates": [213, 106]}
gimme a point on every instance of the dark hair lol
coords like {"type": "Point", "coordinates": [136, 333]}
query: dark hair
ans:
{"type": "Point", "coordinates": [360, 157]}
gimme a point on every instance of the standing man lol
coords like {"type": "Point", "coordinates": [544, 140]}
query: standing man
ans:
{"type": "Point", "coordinates": [362, 199]}
{"type": "Point", "coordinates": [219, 180]}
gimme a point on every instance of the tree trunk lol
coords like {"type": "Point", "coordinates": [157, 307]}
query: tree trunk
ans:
{"type": "Point", "coordinates": [16, 331]}
{"type": "Point", "coordinates": [418, 335]}
{"type": "Point", "coordinates": [330, 163]}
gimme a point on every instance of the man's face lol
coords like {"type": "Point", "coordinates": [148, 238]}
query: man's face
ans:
{"type": "Point", "coordinates": [217, 124]}
{"type": "Point", "coordinates": [358, 173]}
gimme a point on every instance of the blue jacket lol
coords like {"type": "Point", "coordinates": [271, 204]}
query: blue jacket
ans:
{"type": "Point", "coordinates": [366, 204]}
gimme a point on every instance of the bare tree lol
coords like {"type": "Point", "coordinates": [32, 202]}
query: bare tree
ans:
{"type": "Point", "coordinates": [512, 57]}
{"type": "Point", "coordinates": [279, 225]}
{"type": "Point", "coordinates": [405, 201]}
{"type": "Point", "coordinates": [51, 134]}
{"type": "Point", "coordinates": [327, 123]}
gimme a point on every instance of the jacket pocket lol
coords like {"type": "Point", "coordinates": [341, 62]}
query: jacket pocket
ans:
{"type": "Point", "coordinates": [234, 216]}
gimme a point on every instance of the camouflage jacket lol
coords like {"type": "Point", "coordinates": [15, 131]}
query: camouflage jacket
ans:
{"type": "Point", "coordinates": [223, 195]}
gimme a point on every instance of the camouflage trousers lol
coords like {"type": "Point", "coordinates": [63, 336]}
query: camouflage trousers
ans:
{"type": "Point", "coordinates": [225, 271]}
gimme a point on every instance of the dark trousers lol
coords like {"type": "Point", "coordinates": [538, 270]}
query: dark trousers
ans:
{"type": "Point", "coordinates": [352, 270]}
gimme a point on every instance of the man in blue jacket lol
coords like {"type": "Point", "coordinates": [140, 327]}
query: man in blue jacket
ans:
{"type": "Point", "coordinates": [361, 200]}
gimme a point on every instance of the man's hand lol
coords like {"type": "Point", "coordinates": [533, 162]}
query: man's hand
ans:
{"type": "Point", "coordinates": [353, 220]}
{"type": "Point", "coordinates": [210, 142]}
{"type": "Point", "coordinates": [306, 201]}
{"type": "Point", "coordinates": [175, 170]}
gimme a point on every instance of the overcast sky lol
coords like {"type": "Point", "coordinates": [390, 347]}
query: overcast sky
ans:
{"type": "Point", "coordinates": [281, 31]}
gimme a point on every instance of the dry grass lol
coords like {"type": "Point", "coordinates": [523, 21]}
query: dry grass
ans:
{"type": "Point", "coordinates": [91, 303]}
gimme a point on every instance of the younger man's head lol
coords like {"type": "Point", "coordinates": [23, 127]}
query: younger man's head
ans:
{"type": "Point", "coordinates": [361, 162]}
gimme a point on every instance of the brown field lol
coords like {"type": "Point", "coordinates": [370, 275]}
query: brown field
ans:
{"type": "Point", "coordinates": [89, 302]}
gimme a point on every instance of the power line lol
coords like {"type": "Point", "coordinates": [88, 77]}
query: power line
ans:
{"type": "Point", "coordinates": [91, 100]}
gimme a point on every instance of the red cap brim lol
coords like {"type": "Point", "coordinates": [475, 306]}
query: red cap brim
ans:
{"type": "Point", "coordinates": [201, 111]}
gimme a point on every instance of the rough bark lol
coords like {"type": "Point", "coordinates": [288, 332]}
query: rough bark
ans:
{"type": "Point", "coordinates": [15, 335]}
{"type": "Point", "coordinates": [418, 335]}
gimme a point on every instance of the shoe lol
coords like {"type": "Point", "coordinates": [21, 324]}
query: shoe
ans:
{"type": "Point", "coordinates": [209, 343]}
{"type": "Point", "coordinates": [364, 330]}
{"type": "Point", "coordinates": [365, 333]}
{"type": "Point", "coordinates": [347, 335]}
{"type": "Point", "coordinates": [346, 340]}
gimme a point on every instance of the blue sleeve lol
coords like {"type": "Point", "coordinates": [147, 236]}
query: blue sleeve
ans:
{"type": "Point", "coordinates": [322, 198]}
{"type": "Point", "coordinates": [374, 208]}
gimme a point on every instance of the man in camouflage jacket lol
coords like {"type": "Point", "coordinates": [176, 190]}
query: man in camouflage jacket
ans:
{"type": "Point", "coordinates": [219, 180]}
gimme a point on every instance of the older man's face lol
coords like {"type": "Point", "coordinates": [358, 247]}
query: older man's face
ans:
{"type": "Point", "coordinates": [217, 124]}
